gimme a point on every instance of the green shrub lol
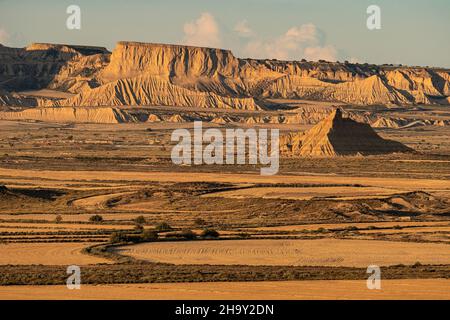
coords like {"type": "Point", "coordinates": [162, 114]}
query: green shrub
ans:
{"type": "Point", "coordinates": [145, 236]}
{"type": "Point", "coordinates": [163, 226]}
{"type": "Point", "coordinates": [140, 220]}
{"type": "Point", "coordinates": [58, 218]}
{"type": "Point", "coordinates": [243, 235]}
{"type": "Point", "coordinates": [210, 233]}
{"type": "Point", "coordinates": [149, 235]}
{"type": "Point", "coordinates": [199, 222]}
{"type": "Point", "coordinates": [96, 218]}
{"type": "Point", "coordinates": [185, 234]}
{"type": "Point", "coordinates": [116, 237]}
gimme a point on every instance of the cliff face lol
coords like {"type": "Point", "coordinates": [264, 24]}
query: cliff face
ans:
{"type": "Point", "coordinates": [140, 73]}
{"type": "Point", "coordinates": [130, 59]}
{"type": "Point", "coordinates": [195, 68]}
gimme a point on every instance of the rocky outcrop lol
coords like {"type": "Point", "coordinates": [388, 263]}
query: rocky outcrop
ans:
{"type": "Point", "coordinates": [36, 66]}
{"type": "Point", "coordinates": [177, 119]}
{"type": "Point", "coordinates": [371, 90]}
{"type": "Point", "coordinates": [153, 118]}
{"type": "Point", "coordinates": [384, 123]}
{"type": "Point", "coordinates": [338, 136]}
{"type": "Point", "coordinates": [78, 74]}
{"type": "Point", "coordinates": [8, 99]}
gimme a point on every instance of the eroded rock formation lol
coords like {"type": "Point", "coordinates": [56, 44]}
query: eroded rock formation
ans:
{"type": "Point", "coordinates": [159, 74]}
{"type": "Point", "coordinates": [339, 136]}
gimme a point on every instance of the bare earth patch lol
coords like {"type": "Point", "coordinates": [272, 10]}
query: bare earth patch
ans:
{"type": "Point", "coordinates": [315, 226]}
{"type": "Point", "coordinates": [306, 193]}
{"type": "Point", "coordinates": [25, 226]}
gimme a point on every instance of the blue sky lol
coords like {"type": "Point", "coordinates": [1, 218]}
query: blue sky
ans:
{"type": "Point", "coordinates": [413, 32]}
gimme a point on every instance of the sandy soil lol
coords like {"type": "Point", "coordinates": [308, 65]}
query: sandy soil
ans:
{"type": "Point", "coordinates": [289, 290]}
{"type": "Point", "coordinates": [96, 202]}
{"type": "Point", "coordinates": [322, 252]}
{"type": "Point", "coordinates": [48, 93]}
{"type": "Point", "coordinates": [17, 226]}
{"type": "Point", "coordinates": [70, 217]}
{"type": "Point", "coordinates": [47, 254]}
{"type": "Point", "coordinates": [400, 183]}
{"type": "Point", "coordinates": [316, 226]}
{"type": "Point", "coordinates": [410, 230]}
{"type": "Point", "coordinates": [306, 193]}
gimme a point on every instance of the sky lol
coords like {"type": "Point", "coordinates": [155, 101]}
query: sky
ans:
{"type": "Point", "coordinates": [413, 32]}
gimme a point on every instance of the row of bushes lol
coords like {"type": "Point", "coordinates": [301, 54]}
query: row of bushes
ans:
{"type": "Point", "coordinates": [150, 235]}
{"type": "Point", "coordinates": [145, 236]}
{"type": "Point", "coordinates": [140, 220]}
{"type": "Point", "coordinates": [95, 218]}
{"type": "Point", "coordinates": [191, 235]}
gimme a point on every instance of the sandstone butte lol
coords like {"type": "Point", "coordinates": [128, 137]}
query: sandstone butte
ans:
{"type": "Point", "coordinates": [136, 74]}
{"type": "Point", "coordinates": [339, 136]}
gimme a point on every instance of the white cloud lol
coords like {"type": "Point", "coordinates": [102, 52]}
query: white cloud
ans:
{"type": "Point", "coordinates": [304, 33]}
{"type": "Point", "coordinates": [4, 36]}
{"type": "Point", "coordinates": [202, 32]}
{"type": "Point", "coordinates": [298, 42]}
{"type": "Point", "coordinates": [305, 41]}
{"type": "Point", "coordinates": [243, 29]}
{"type": "Point", "coordinates": [328, 53]}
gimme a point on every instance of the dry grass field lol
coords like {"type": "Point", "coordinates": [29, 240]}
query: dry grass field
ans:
{"type": "Point", "coordinates": [322, 252]}
{"type": "Point", "coordinates": [314, 220]}
{"type": "Point", "coordinates": [236, 165]}
{"type": "Point", "coordinates": [46, 254]}
{"type": "Point", "coordinates": [285, 290]}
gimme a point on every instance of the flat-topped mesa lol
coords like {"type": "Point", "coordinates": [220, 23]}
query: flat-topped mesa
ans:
{"type": "Point", "coordinates": [339, 136]}
{"type": "Point", "coordinates": [130, 59]}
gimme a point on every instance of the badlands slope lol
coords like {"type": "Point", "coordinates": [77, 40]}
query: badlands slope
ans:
{"type": "Point", "coordinates": [144, 90]}
{"type": "Point", "coordinates": [175, 75]}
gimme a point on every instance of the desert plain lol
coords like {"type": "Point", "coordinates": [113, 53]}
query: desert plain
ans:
{"type": "Point", "coordinates": [86, 179]}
